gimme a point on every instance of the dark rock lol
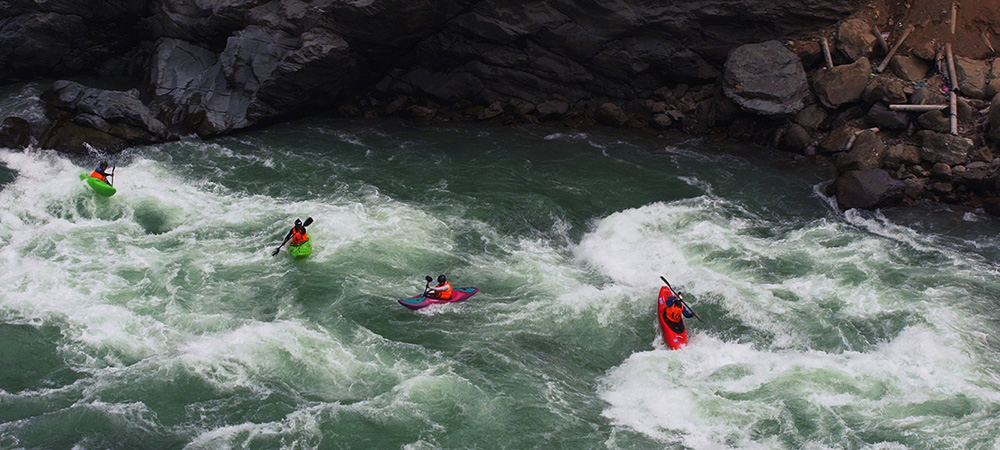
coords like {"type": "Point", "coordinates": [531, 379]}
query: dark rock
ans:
{"type": "Point", "coordinates": [796, 138]}
{"type": "Point", "coordinates": [69, 137]}
{"type": "Point", "coordinates": [855, 39]}
{"type": "Point", "coordinates": [941, 171]}
{"type": "Point", "coordinates": [866, 152]}
{"type": "Point", "coordinates": [662, 121]}
{"type": "Point", "coordinates": [15, 132]}
{"type": "Point", "coordinates": [881, 116]}
{"type": "Point", "coordinates": [944, 148]}
{"type": "Point", "coordinates": [972, 75]}
{"type": "Point", "coordinates": [552, 109]}
{"type": "Point", "coordinates": [611, 114]}
{"type": "Point", "coordinates": [909, 68]}
{"type": "Point", "coordinates": [811, 117]}
{"type": "Point", "coordinates": [901, 154]}
{"type": "Point", "coordinates": [934, 121]}
{"type": "Point", "coordinates": [766, 79]}
{"type": "Point", "coordinates": [993, 121]}
{"type": "Point", "coordinates": [837, 140]}
{"type": "Point", "coordinates": [120, 107]}
{"type": "Point", "coordinates": [867, 189]}
{"type": "Point", "coordinates": [843, 84]}
{"type": "Point", "coordinates": [884, 89]}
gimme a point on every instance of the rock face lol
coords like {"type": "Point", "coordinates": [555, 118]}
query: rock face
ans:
{"type": "Point", "coordinates": [214, 66]}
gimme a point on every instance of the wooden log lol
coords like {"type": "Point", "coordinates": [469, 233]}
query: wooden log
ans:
{"type": "Point", "coordinates": [954, 16]}
{"type": "Point", "coordinates": [954, 113]}
{"type": "Point", "coordinates": [952, 74]}
{"type": "Point", "coordinates": [826, 53]}
{"type": "Point", "coordinates": [918, 107]}
{"type": "Point", "coordinates": [880, 40]}
{"type": "Point", "coordinates": [888, 57]}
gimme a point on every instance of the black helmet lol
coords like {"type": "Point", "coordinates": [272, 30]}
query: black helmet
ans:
{"type": "Point", "coordinates": [298, 222]}
{"type": "Point", "coordinates": [441, 278]}
{"type": "Point", "coordinates": [104, 164]}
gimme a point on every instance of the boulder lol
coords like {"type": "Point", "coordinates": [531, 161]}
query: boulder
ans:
{"type": "Point", "coordinates": [866, 152]}
{"type": "Point", "coordinates": [909, 68]}
{"type": "Point", "coordinates": [855, 39]}
{"type": "Point", "coordinates": [766, 79]}
{"type": "Point", "coordinates": [993, 121]}
{"type": "Point", "coordinates": [882, 117]}
{"type": "Point", "coordinates": [611, 114]}
{"type": "Point", "coordinates": [843, 84]}
{"type": "Point", "coordinates": [972, 76]}
{"type": "Point", "coordinates": [15, 132]}
{"type": "Point", "coordinates": [867, 189]}
{"type": "Point", "coordinates": [944, 148]}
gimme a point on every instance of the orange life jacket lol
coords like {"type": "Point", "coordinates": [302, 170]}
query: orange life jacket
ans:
{"type": "Point", "coordinates": [443, 291]}
{"type": "Point", "coordinates": [674, 313]}
{"type": "Point", "coordinates": [298, 238]}
{"type": "Point", "coordinates": [98, 175]}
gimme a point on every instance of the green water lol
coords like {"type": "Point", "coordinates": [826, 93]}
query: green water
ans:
{"type": "Point", "coordinates": [158, 319]}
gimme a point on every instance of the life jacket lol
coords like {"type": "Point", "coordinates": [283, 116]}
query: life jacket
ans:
{"type": "Point", "coordinates": [674, 313]}
{"type": "Point", "coordinates": [97, 174]}
{"type": "Point", "coordinates": [443, 291]}
{"type": "Point", "coordinates": [298, 238]}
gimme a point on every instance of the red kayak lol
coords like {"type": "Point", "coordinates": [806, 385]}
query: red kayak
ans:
{"type": "Point", "coordinates": [674, 333]}
{"type": "Point", "coordinates": [422, 300]}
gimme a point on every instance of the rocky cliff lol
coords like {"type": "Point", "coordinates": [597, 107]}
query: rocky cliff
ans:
{"type": "Point", "coordinates": [134, 72]}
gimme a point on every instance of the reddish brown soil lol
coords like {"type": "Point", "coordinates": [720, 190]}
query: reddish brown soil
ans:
{"type": "Point", "coordinates": [932, 22]}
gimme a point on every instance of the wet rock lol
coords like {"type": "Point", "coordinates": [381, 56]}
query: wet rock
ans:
{"type": "Point", "coordinates": [15, 132]}
{"type": "Point", "coordinates": [902, 154]}
{"type": "Point", "coordinates": [121, 107]}
{"type": "Point", "coordinates": [866, 189]}
{"type": "Point", "coordinates": [796, 138]}
{"type": "Point", "coordinates": [811, 117]}
{"type": "Point", "coordinates": [766, 79]}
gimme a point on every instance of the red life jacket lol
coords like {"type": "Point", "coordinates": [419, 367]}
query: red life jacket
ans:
{"type": "Point", "coordinates": [98, 175]}
{"type": "Point", "coordinates": [298, 238]}
{"type": "Point", "coordinates": [674, 313]}
{"type": "Point", "coordinates": [443, 291]}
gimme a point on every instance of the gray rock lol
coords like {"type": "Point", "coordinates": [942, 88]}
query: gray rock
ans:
{"type": "Point", "coordinates": [934, 121]}
{"type": "Point", "coordinates": [944, 148]}
{"type": "Point", "coordinates": [15, 132]}
{"type": "Point", "coordinates": [811, 117]}
{"type": "Point", "coordinates": [866, 152]}
{"type": "Point", "coordinates": [867, 189]}
{"type": "Point", "coordinates": [109, 106]}
{"type": "Point", "coordinates": [766, 79]}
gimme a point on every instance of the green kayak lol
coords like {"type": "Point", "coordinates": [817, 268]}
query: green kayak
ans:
{"type": "Point", "coordinates": [100, 187]}
{"type": "Point", "coordinates": [302, 250]}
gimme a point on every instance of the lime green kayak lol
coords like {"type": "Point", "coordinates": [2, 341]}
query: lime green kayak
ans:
{"type": "Point", "coordinates": [302, 250]}
{"type": "Point", "coordinates": [100, 187]}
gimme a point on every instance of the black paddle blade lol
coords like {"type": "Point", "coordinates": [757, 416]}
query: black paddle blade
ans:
{"type": "Point", "coordinates": [275, 252]}
{"type": "Point", "coordinates": [309, 220]}
{"type": "Point", "coordinates": [428, 278]}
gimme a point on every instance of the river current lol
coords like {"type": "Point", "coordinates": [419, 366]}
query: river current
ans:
{"type": "Point", "coordinates": [158, 319]}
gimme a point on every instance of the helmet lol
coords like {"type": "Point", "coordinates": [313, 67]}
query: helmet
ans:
{"type": "Point", "coordinates": [298, 222]}
{"type": "Point", "coordinates": [441, 278]}
{"type": "Point", "coordinates": [104, 164]}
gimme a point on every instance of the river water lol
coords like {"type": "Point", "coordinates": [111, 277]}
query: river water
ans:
{"type": "Point", "coordinates": [158, 319]}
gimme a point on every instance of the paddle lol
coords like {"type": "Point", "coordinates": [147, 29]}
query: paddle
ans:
{"type": "Point", "coordinates": [111, 182]}
{"type": "Point", "coordinates": [680, 298]}
{"type": "Point", "coordinates": [427, 286]}
{"type": "Point", "coordinates": [309, 221]}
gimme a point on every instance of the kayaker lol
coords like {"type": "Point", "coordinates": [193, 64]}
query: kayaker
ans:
{"type": "Point", "coordinates": [443, 289]}
{"type": "Point", "coordinates": [297, 234]}
{"type": "Point", "coordinates": [675, 312]}
{"type": "Point", "coordinates": [101, 172]}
